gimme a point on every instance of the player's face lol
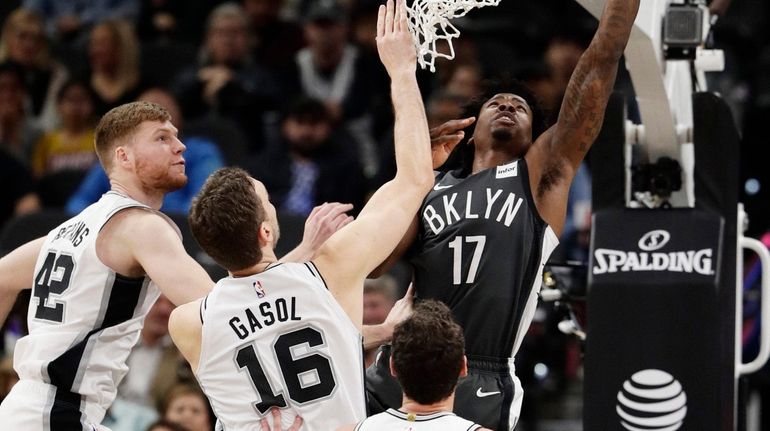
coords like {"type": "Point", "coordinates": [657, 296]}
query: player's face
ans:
{"type": "Point", "coordinates": [270, 212]}
{"type": "Point", "coordinates": [505, 119]}
{"type": "Point", "coordinates": [190, 411]}
{"type": "Point", "coordinates": [157, 154]}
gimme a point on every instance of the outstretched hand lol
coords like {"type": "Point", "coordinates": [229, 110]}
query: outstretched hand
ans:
{"type": "Point", "coordinates": [394, 42]}
{"type": "Point", "coordinates": [324, 221]}
{"type": "Point", "coordinates": [444, 139]}
{"type": "Point", "coordinates": [277, 422]}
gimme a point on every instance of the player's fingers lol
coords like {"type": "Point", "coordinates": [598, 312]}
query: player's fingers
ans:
{"type": "Point", "coordinates": [389, 17]}
{"type": "Point", "coordinates": [409, 295]}
{"type": "Point", "coordinates": [276, 420]}
{"type": "Point", "coordinates": [339, 208]}
{"type": "Point", "coordinates": [297, 424]}
{"type": "Point", "coordinates": [263, 424]}
{"type": "Point", "coordinates": [381, 21]}
{"type": "Point", "coordinates": [454, 125]}
{"type": "Point", "coordinates": [397, 16]}
{"type": "Point", "coordinates": [403, 16]}
{"type": "Point", "coordinates": [451, 140]}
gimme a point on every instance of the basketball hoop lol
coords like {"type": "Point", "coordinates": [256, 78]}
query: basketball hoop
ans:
{"type": "Point", "coordinates": [429, 23]}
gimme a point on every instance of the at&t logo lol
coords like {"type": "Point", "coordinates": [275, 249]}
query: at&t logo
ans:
{"type": "Point", "coordinates": [652, 400]}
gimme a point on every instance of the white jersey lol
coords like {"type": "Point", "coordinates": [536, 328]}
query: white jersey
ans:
{"type": "Point", "coordinates": [280, 339]}
{"type": "Point", "coordinates": [83, 318]}
{"type": "Point", "coordinates": [396, 420]}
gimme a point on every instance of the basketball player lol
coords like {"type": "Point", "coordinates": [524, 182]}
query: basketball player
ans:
{"type": "Point", "coordinates": [484, 233]}
{"type": "Point", "coordinates": [287, 335]}
{"type": "Point", "coordinates": [95, 277]}
{"type": "Point", "coordinates": [427, 359]}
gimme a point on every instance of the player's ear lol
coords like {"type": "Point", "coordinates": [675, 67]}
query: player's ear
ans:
{"type": "Point", "coordinates": [464, 368]}
{"type": "Point", "coordinates": [266, 234]}
{"type": "Point", "coordinates": [392, 368]}
{"type": "Point", "coordinates": [122, 156]}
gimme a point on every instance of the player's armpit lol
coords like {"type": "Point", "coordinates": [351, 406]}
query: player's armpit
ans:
{"type": "Point", "coordinates": [184, 326]}
{"type": "Point", "coordinates": [17, 272]}
{"type": "Point", "coordinates": [157, 247]}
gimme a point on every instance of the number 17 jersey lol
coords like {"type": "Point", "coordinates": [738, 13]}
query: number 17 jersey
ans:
{"type": "Point", "coordinates": [481, 250]}
{"type": "Point", "coordinates": [280, 339]}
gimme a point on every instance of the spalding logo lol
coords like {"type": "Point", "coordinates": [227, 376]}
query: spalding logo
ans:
{"type": "Point", "coordinates": [652, 400]}
{"type": "Point", "coordinates": [654, 240]}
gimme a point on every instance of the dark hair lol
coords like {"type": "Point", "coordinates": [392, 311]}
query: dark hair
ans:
{"type": "Point", "coordinates": [121, 122]}
{"type": "Point", "coordinates": [462, 156]}
{"type": "Point", "coordinates": [16, 69]}
{"type": "Point", "coordinates": [225, 218]}
{"type": "Point", "coordinates": [307, 109]}
{"type": "Point", "coordinates": [75, 82]}
{"type": "Point", "coordinates": [428, 350]}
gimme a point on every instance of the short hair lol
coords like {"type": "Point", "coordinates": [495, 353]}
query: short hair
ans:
{"type": "Point", "coordinates": [225, 219]}
{"type": "Point", "coordinates": [384, 285]}
{"type": "Point", "coordinates": [428, 350]}
{"type": "Point", "coordinates": [307, 109]}
{"type": "Point", "coordinates": [462, 155]}
{"type": "Point", "coordinates": [121, 122]}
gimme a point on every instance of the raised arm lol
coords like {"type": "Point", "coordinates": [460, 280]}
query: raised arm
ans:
{"type": "Point", "coordinates": [556, 155]}
{"type": "Point", "coordinates": [349, 255]}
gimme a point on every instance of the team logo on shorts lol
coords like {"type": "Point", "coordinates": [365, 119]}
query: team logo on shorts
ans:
{"type": "Point", "coordinates": [260, 290]}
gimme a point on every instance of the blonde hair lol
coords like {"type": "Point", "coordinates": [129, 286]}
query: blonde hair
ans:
{"type": "Point", "coordinates": [127, 51]}
{"type": "Point", "coordinates": [16, 20]}
{"type": "Point", "coordinates": [121, 122]}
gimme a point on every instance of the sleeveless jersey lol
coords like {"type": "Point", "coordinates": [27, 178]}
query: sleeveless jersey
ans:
{"type": "Point", "coordinates": [396, 420]}
{"type": "Point", "coordinates": [83, 318]}
{"type": "Point", "coordinates": [280, 339]}
{"type": "Point", "coordinates": [481, 250]}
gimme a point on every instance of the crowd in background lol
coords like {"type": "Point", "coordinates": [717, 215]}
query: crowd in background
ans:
{"type": "Point", "coordinates": [292, 91]}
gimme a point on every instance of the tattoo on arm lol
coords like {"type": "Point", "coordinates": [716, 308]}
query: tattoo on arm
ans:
{"type": "Point", "coordinates": [589, 89]}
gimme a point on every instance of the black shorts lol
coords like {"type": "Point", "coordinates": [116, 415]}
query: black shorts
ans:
{"type": "Point", "coordinates": [486, 396]}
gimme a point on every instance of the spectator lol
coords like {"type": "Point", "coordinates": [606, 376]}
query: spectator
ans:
{"type": "Point", "coordinates": [335, 72]}
{"type": "Point", "coordinates": [227, 81]}
{"type": "Point", "coordinates": [66, 20]}
{"type": "Point", "coordinates": [187, 405]}
{"type": "Point", "coordinates": [164, 425]}
{"type": "Point", "coordinates": [321, 165]}
{"type": "Point", "coordinates": [201, 158]}
{"type": "Point", "coordinates": [70, 147]}
{"type": "Point", "coordinates": [18, 133]}
{"type": "Point", "coordinates": [17, 194]}
{"type": "Point", "coordinates": [380, 295]}
{"type": "Point", "coordinates": [24, 41]}
{"type": "Point", "coordinates": [113, 53]}
{"type": "Point", "coordinates": [276, 40]}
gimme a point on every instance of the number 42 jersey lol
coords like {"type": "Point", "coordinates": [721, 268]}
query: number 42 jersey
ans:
{"type": "Point", "coordinates": [280, 339]}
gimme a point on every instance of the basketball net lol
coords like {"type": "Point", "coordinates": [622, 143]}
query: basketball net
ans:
{"type": "Point", "coordinates": [429, 24]}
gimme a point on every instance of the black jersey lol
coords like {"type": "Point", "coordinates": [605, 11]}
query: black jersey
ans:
{"type": "Point", "coordinates": [481, 250]}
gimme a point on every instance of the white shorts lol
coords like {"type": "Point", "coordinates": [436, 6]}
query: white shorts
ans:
{"type": "Point", "coordinates": [35, 406]}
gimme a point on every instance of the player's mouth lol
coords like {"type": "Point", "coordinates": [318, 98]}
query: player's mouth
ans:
{"type": "Point", "coordinates": [505, 118]}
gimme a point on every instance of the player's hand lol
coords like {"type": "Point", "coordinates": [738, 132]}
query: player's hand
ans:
{"type": "Point", "coordinates": [394, 42]}
{"type": "Point", "coordinates": [323, 222]}
{"type": "Point", "coordinates": [444, 139]}
{"type": "Point", "coordinates": [401, 310]}
{"type": "Point", "coordinates": [277, 422]}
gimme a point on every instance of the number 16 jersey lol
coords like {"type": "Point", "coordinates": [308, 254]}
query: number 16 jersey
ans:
{"type": "Point", "coordinates": [280, 339]}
